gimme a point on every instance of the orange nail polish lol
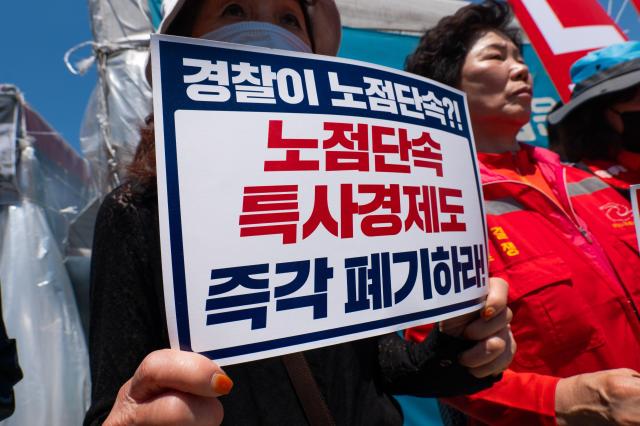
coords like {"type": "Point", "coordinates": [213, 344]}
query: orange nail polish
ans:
{"type": "Point", "coordinates": [221, 384]}
{"type": "Point", "coordinates": [488, 312]}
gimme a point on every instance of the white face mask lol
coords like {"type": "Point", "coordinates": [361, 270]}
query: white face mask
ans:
{"type": "Point", "coordinates": [262, 34]}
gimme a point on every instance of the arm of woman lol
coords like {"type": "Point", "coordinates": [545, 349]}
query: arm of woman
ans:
{"type": "Point", "coordinates": [462, 356]}
{"type": "Point", "coordinates": [518, 398]}
{"type": "Point", "coordinates": [126, 318]}
{"type": "Point", "coordinates": [599, 398]}
{"type": "Point", "coordinates": [134, 381]}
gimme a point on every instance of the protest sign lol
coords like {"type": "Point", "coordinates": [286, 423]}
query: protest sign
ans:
{"type": "Point", "coordinates": [306, 200]}
{"type": "Point", "coordinates": [635, 204]}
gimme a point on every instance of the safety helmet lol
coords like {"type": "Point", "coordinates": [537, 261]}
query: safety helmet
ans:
{"type": "Point", "coordinates": [600, 73]}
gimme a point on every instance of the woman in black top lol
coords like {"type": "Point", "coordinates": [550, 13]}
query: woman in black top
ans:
{"type": "Point", "coordinates": [136, 381]}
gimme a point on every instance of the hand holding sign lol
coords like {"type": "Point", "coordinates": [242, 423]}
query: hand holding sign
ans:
{"type": "Point", "coordinates": [496, 347]}
{"type": "Point", "coordinates": [171, 387]}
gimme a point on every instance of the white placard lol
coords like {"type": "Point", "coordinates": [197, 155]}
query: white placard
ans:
{"type": "Point", "coordinates": [306, 201]}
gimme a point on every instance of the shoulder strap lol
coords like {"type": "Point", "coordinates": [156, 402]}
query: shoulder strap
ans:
{"type": "Point", "coordinates": [313, 404]}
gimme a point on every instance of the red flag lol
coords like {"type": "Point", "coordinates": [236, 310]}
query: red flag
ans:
{"type": "Point", "coordinates": [560, 35]}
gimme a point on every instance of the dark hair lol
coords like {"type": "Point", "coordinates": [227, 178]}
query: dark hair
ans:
{"type": "Point", "coordinates": [586, 133]}
{"type": "Point", "coordinates": [142, 168]}
{"type": "Point", "coordinates": [443, 48]}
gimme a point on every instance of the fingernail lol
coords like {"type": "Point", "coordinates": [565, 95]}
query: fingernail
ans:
{"type": "Point", "coordinates": [221, 383]}
{"type": "Point", "coordinates": [488, 312]}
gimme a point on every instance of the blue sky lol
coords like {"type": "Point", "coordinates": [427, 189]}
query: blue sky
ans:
{"type": "Point", "coordinates": [33, 39]}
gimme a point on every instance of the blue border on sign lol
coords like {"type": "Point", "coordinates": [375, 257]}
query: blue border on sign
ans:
{"type": "Point", "coordinates": [337, 332]}
{"type": "Point", "coordinates": [171, 50]}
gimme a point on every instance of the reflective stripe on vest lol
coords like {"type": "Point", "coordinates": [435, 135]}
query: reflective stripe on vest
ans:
{"type": "Point", "coordinates": [586, 186]}
{"type": "Point", "coordinates": [502, 206]}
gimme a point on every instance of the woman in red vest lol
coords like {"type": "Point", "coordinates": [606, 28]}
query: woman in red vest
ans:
{"type": "Point", "coordinates": [561, 237]}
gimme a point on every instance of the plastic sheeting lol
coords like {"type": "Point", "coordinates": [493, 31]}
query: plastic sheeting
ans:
{"type": "Point", "coordinates": [40, 311]}
{"type": "Point", "coordinates": [121, 100]}
{"type": "Point", "coordinates": [52, 185]}
{"type": "Point", "coordinates": [57, 179]}
{"type": "Point", "coordinates": [113, 20]}
{"type": "Point", "coordinates": [118, 106]}
{"type": "Point", "coordinates": [8, 128]}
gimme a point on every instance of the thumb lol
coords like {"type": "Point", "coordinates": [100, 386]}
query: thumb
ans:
{"type": "Point", "coordinates": [496, 298]}
{"type": "Point", "coordinates": [171, 369]}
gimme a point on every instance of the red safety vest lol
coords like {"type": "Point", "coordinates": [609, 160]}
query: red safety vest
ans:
{"type": "Point", "coordinates": [574, 275]}
{"type": "Point", "coordinates": [615, 174]}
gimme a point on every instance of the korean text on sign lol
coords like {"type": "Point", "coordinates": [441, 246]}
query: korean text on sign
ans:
{"type": "Point", "coordinates": [307, 201]}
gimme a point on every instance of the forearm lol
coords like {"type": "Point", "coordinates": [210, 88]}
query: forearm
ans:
{"type": "Point", "coordinates": [429, 368]}
{"type": "Point", "coordinates": [599, 398]}
{"type": "Point", "coordinates": [123, 298]}
{"type": "Point", "coordinates": [519, 398]}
